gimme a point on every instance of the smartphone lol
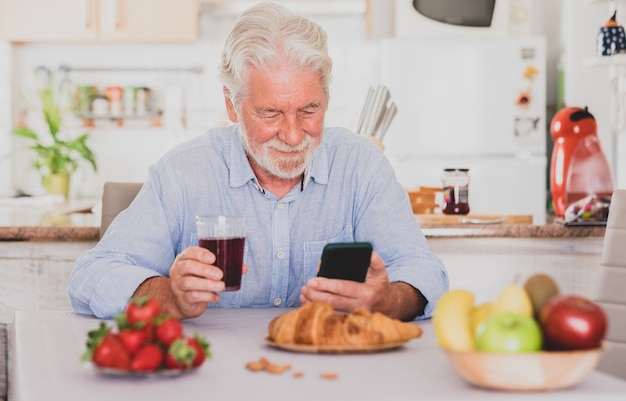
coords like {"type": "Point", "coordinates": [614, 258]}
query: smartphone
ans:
{"type": "Point", "coordinates": [346, 260]}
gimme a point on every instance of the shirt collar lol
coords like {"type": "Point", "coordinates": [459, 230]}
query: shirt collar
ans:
{"type": "Point", "coordinates": [318, 170]}
{"type": "Point", "coordinates": [241, 172]}
{"type": "Point", "coordinates": [238, 164]}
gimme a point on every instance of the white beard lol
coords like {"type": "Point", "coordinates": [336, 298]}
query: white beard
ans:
{"type": "Point", "coordinates": [283, 167]}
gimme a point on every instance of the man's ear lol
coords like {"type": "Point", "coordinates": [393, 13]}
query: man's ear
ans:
{"type": "Point", "coordinates": [230, 108]}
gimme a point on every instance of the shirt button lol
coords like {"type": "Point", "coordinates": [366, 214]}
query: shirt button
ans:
{"type": "Point", "coordinates": [280, 255]}
{"type": "Point", "coordinates": [277, 301]}
{"type": "Point", "coordinates": [281, 205]}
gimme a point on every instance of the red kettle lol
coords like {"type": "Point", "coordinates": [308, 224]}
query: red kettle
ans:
{"type": "Point", "coordinates": [578, 167]}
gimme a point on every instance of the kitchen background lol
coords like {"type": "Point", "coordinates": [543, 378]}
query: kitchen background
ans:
{"type": "Point", "coordinates": [186, 96]}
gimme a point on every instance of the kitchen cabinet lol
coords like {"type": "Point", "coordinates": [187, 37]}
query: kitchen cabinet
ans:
{"type": "Point", "coordinates": [136, 21]}
{"type": "Point", "coordinates": [377, 15]}
{"type": "Point", "coordinates": [33, 275]}
{"type": "Point", "coordinates": [486, 265]}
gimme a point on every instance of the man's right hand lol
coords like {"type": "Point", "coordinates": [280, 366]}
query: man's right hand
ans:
{"type": "Point", "coordinates": [193, 283]}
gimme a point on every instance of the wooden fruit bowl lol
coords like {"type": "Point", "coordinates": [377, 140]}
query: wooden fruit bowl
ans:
{"type": "Point", "coordinates": [534, 371]}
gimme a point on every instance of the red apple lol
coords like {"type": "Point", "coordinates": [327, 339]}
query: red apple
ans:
{"type": "Point", "coordinates": [572, 322]}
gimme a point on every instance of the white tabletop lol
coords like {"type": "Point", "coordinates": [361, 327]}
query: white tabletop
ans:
{"type": "Point", "coordinates": [45, 349]}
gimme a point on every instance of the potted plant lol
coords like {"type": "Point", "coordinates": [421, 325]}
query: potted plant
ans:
{"type": "Point", "coordinates": [56, 157]}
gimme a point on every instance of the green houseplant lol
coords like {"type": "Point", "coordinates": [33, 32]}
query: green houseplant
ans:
{"type": "Point", "coordinates": [55, 158]}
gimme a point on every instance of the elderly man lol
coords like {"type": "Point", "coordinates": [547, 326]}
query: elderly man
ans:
{"type": "Point", "coordinates": [300, 185]}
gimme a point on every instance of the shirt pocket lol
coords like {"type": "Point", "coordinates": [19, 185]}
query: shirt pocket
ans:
{"type": "Point", "coordinates": [313, 253]}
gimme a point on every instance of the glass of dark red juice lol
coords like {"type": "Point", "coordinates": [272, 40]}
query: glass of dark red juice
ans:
{"type": "Point", "coordinates": [225, 237]}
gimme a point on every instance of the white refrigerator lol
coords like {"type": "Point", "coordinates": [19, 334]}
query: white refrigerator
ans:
{"type": "Point", "coordinates": [471, 103]}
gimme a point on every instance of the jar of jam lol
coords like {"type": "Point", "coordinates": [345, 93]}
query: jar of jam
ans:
{"type": "Point", "coordinates": [455, 191]}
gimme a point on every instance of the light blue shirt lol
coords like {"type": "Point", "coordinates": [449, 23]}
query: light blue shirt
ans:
{"type": "Point", "coordinates": [349, 193]}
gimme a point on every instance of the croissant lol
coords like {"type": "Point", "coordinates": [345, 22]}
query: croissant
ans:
{"type": "Point", "coordinates": [317, 323]}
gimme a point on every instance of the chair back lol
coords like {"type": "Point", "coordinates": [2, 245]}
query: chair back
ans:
{"type": "Point", "coordinates": [116, 196]}
{"type": "Point", "coordinates": [611, 287]}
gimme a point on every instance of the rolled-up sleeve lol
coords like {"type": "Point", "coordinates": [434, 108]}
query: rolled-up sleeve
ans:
{"type": "Point", "coordinates": [387, 220]}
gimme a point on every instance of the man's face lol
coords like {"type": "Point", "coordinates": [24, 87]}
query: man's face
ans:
{"type": "Point", "coordinates": [282, 120]}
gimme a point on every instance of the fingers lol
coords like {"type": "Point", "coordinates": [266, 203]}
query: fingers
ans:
{"type": "Point", "coordinates": [342, 295]}
{"type": "Point", "coordinates": [345, 295]}
{"type": "Point", "coordinates": [377, 267]}
{"type": "Point", "coordinates": [194, 281]}
{"type": "Point", "coordinates": [196, 262]}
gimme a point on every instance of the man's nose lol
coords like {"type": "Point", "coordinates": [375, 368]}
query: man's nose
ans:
{"type": "Point", "coordinates": [291, 131]}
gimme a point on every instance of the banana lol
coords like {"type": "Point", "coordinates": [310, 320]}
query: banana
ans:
{"type": "Point", "coordinates": [451, 320]}
{"type": "Point", "coordinates": [479, 314]}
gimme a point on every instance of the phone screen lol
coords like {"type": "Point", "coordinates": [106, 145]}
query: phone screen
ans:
{"type": "Point", "coordinates": [346, 260]}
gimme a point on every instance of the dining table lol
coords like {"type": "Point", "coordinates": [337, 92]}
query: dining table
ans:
{"type": "Point", "coordinates": [45, 349]}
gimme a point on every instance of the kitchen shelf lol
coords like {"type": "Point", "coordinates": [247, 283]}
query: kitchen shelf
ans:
{"type": "Point", "coordinates": [195, 70]}
{"type": "Point", "coordinates": [225, 8]}
{"type": "Point", "coordinates": [89, 116]}
{"type": "Point", "coordinates": [600, 1]}
{"type": "Point", "coordinates": [606, 61]}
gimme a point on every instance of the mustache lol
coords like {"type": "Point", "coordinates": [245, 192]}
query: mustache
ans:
{"type": "Point", "coordinates": [281, 146]}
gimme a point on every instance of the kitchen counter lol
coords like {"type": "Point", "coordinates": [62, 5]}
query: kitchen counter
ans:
{"type": "Point", "coordinates": [91, 232]}
{"type": "Point", "coordinates": [49, 220]}
{"type": "Point", "coordinates": [50, 233]}
{"type": "Point", "coordinates": [79, 221]}
{"type": "Point", "coordinates": [552, 230]}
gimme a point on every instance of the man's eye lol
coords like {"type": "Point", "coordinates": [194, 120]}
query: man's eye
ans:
{"type": "Point", "coordinates": [269, 115]}
{"type": "Point", "coordinates": [308, 112]}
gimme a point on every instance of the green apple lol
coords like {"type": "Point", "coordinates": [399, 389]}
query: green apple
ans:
{"type": "Point", "coordinates": [508, 332]}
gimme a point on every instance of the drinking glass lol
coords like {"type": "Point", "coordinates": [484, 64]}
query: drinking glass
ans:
{"type": "Point", "coordinates": [225, 237]}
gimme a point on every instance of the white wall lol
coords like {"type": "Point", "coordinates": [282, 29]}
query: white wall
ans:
{"type": "Point", "coordinates": [5, 121]}
{"type": "Point", "coordinates": [124, 154]}
{"type": "Point", "coordinates": [356, 67]}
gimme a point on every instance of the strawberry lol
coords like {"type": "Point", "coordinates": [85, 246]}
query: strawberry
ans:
{"type": "Point", "coordinates": [105, 349]}
{"type": "Point", "coordinates": [147, 359]}
{"type": "Point", "coordinates": [201, 346]}
{"type": "Point", "coordinates": [149, 332]}
{"type": "Point", "coordinates": [110, 353]}
{"type": "Point", "coordinates": [180, 355]}
{"type": "Point", "coordinates": [133, 339]}
{"type": "Point", "coordinates": [167, 330]}
{"type": "Point", "coordinates": [142, 311]}
{"type": "Point", "coordinates": [146, 341]}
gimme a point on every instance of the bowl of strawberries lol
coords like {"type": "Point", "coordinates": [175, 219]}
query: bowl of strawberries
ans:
{"type": "Point", "coordinates": [144, 342]}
